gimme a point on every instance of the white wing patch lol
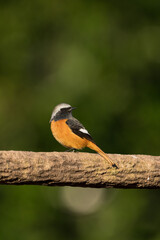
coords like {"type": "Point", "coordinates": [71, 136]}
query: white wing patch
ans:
{"type": "Point", "coordinates": [83, 130]}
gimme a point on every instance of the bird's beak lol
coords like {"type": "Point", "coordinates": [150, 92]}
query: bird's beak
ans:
{"type": "Point", "coordinates": [73, 108]}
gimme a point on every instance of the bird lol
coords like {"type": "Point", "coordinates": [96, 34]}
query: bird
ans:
{"type": "Point", "coordinates": [69, 132]}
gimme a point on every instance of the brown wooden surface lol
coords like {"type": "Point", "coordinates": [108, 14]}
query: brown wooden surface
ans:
{"type": "Point", "coordinates": [79, 169]}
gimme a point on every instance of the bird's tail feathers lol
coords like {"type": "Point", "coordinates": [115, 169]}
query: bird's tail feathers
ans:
{"type": "Point", "coordinates": [94, 147]}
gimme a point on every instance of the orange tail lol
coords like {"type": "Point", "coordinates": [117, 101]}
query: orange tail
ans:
{"type": "Point", "coordinates": [94, 147]}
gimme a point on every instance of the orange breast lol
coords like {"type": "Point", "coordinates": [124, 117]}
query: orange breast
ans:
{"type": "Point", "coordinates": [64, 135]}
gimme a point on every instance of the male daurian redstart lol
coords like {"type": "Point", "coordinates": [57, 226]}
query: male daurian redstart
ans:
{"type": "Point", "coordinates": [68, 131]}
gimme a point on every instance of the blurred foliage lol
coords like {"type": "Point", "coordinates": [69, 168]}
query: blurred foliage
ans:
{"type": "Point", "coordinates": [104, 58]}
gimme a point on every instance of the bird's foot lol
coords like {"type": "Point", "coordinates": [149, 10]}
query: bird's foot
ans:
{"type": "Point", "coordinates": [71, 150]}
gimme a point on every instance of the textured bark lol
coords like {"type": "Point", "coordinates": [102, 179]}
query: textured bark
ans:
{"type": "Point", "coordinates": [79, 169]}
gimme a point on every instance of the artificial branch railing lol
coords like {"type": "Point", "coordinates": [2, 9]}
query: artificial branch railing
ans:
{"type": "Point", "coordinates": [79, 169]}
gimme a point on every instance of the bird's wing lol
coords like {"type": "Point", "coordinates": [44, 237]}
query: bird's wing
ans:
{"type": "Point", "coordinates": [78, 129]}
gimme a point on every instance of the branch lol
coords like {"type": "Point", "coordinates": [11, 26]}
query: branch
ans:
{"type": "Point", "coordinates": [79, 169]}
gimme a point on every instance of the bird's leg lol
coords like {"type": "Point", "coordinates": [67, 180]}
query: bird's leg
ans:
{"type": "Point", "coordinates": [71, 150]}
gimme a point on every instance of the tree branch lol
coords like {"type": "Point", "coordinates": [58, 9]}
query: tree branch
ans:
{"type": "Point", "coordinates": [79, 169]}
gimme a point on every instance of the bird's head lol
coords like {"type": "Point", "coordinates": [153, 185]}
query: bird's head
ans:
{"type": "Point", "coordinates": [61, 111]}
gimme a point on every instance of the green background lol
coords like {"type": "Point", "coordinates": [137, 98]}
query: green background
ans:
{"type": "Point", "coordinates": [104, 58]}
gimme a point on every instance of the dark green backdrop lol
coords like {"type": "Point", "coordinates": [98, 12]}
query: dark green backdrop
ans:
{"type": "Point", "coordinates": [104, 58]}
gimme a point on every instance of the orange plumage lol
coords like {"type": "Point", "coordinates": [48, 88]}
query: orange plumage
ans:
{"type": "Point", "coordinates": [64, 135]}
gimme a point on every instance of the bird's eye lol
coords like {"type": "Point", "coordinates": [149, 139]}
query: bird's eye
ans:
{"type": "Point", "coordinates": [64, 109]}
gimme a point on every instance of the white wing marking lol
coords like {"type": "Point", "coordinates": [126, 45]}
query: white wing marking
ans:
{"type": "Point", "coordinates": [83, 130]}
